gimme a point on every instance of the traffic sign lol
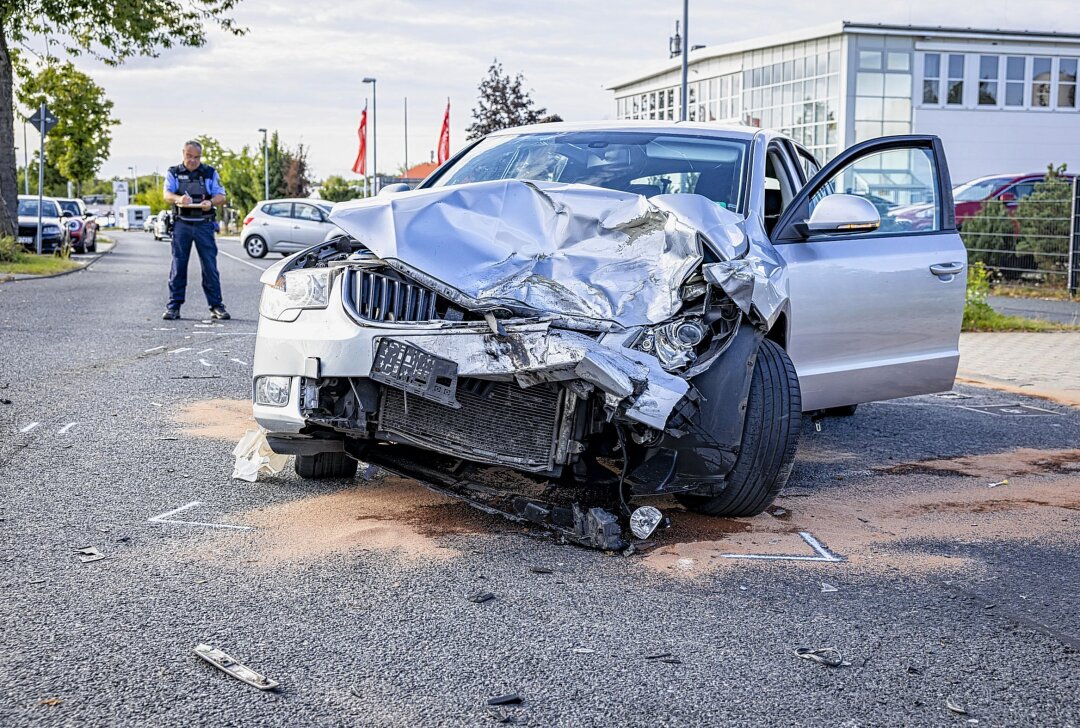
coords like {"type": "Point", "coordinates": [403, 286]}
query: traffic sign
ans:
{"type": "Point", "coordinates": [43, 116]}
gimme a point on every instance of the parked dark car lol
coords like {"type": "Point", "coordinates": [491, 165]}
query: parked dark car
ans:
{"type": "Point", "coordinates": [82, 226]}
{"type": "Point", "coordinates": [55, 233]}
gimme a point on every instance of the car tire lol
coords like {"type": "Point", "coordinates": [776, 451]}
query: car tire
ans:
{"type": "Point", "coordinates": [770, 436]}
{"type": "Point", "coordinates": [325, 465]}
{"type": "Point", "coordinates": [92, 247]}
{"type": "Point", "coordinates": [255, 246]}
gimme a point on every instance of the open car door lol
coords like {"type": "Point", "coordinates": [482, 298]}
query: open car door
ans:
{"type": "Point", "coordinates": [875, 310]}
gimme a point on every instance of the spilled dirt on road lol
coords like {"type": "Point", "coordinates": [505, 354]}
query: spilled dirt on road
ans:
{"type": "Point", "coordinates": [390, 515]}
{"type": "Point", "coordinates": [880, 526]}
{"type": "Point", "coordinates": [219, 419]}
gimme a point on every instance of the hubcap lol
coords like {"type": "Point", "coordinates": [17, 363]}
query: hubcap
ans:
{"type": "Point", "coordinates": [255, 246]}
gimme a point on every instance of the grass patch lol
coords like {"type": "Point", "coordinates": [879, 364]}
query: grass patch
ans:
{"type": "Point", "coordinates": [38, 265]}
{"type": "Point", "coordinates": [979, 316]}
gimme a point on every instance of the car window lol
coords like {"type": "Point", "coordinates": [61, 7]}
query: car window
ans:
{"type": "Point", "coordinates": [978, 189]}
{"type": "Point", "coordinates": [306, 212]}
{"type": "Point", "coordinates": [278, 209]}
{"type": "Point", "coordinates": [645, 163]}
{"type": "Point", "coordinates": [70, 206]}
{"type": "Point", "coordinates": [810, 165]}
{"type": "Point", "coordinates": [1022, 189]}
{"type": "Point", "coordinates": [899, 183]}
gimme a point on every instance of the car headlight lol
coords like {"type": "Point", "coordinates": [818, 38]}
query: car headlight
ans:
{"type": "Point", "coordinates": [50, 229]}
{"type": "Point", "coordinates": [295, 291]}
{"type": "Point", "coordinates": [74, 225]}
{"type": "Point", "coordinates": [272, 391]}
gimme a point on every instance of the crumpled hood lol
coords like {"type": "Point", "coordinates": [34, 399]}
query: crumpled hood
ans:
{"type": "Point", "coordinates": [585, 254]}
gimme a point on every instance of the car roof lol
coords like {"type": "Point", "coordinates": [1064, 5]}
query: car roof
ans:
{"type": "Point", "coordinates": [728, 131]}
{"type": "Point", "coordinates": [309, 200]}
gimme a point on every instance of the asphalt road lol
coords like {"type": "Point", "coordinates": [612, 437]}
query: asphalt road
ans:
{"type": "Point", "coordinates": [1062, 312]}
{"type": "Point", "coordinates": [353, 595]}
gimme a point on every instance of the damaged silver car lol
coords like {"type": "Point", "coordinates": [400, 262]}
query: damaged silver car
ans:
{"type": "Point", "coordinates": [568, 318]}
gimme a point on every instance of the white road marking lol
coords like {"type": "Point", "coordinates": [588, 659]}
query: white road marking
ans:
{"type": "Point", "coordinates": [66, 427]}
{"type": "Point", "coordinates": [241, 260]}
{"type": "Point", "coordinates": [823, 554]}
{"type": "Point", "coordinates": [164, 518]}
{"type": "Point", "coordinates": [204, 362]}
{"type": "Point", "coordinates": [156, 348]}
{"type": "Point", "coordinates": [237, 333]}
{"type": "Point", "coordinates": [156, 404]}
{"type": "Point", "coordinates": [29, 427]}
{"type": "Point", "coordinates": [204, 351]}
{"type": "Point", "coordinates": [181, 350]}
{"type": "Point", "coordinates": [244, 363]}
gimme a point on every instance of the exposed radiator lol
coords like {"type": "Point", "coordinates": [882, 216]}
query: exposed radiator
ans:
{"type": "Point", "coordinates": [376, 296]}
{"type": "Point", "coordinates": [501, 423]}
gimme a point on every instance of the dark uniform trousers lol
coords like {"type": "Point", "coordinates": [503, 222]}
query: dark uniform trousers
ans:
{"type": "Point", "coordinates": [200, 233]}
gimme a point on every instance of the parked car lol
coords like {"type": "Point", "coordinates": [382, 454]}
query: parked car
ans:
{"type": "Point", "coordinates": [81, 224]}
{"type": "Point", "coordinates": [55, 234]}
{"type": "Point", "coordinates": [285, 226]}
{"type": "Point", "coordinates": [569, 313]}
{"type": "Point", "coordinates": [1008, 188]}
{"type": "Point", "coordinates": [163, 224]}
{"type": "Point", "coordinates": [148, 224]}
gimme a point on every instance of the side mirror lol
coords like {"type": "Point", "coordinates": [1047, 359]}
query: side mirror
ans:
{"type": "Point", "coordinates": [394, 189]}
{"type": "Point", "coordinates": [67, 213]}
{"type": "Point", "coordinates": [1007, 197]}
{"type": "Point", "coordinates": [842, 213]}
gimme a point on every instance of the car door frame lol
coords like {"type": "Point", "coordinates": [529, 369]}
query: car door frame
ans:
{"type": "Point", "coordinates": [839, 381]}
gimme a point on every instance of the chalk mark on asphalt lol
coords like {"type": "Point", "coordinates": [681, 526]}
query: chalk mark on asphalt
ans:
{"type": "Point", "coordinates": [823, 554]}
{"type": "Point", "coordinates": [29, 427]}
{"type": "Point", "coordinates": [181, 350]}
{"type": "Point", "coordinates": [63, 430]}
{"type": "Point", "coordinates": [165, 518]}
{"type": "Point", "coordinates": [244, 363]}
{"type": "Point", "coordinates": [156, 348]}
{"type": "Point", "coordinates": [200, 353]}
{"type": "Point", "coordinates": [205, 363]}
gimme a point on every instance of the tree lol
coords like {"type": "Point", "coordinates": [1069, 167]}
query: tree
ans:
{"type": "Point", "coordinates": [79, 143]}
{"type": "Point", "coordinates": [338, 189]}
{"type": "Point", "coordinates": [1043, 219]}
{"type": "Point", "coordinates": [503, 103]}
{"type": "Point", "coordinates": [109, 30]}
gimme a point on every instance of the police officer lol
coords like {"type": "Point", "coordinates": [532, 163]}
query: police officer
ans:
{"type": "Point", "coordinates": [194, 189]}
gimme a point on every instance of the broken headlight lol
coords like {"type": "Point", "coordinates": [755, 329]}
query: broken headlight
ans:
{"type": "Point", "coordinates": [272, 391]}
{"type": "Point", "coordinates": [674, 343]}
{"type": "Point", "coordinates": [294, 291]}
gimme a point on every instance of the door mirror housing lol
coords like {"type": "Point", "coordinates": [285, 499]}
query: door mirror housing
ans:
{"type": "Point", "coordinates": [67, 213]}
{"type": "Point", "coordinates": [840, 213]}
{"type": "Point", "coordinates": [394, 189]}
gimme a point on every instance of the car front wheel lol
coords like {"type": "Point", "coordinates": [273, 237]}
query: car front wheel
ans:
{"type": "Point", "coordinates": [770, 435]}
{"type": "Point", "coordinates": [255, 246]}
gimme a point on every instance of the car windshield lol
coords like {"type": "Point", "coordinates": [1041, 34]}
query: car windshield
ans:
{"type": "Point", "coordinates": [29, 208]}
{"type": "Point", "coordinates": [978, 189]}
{"type": "Point", "coordinates": [70, 206]}
{"type": "Point", "coordinates": [645, 163]}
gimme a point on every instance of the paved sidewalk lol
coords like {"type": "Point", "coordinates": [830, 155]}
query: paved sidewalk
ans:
{"type": "Point", "coordinates": [1038, 364]}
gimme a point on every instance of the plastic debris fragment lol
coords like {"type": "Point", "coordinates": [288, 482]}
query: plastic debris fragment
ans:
{"type": "Point", "coordinates": [955, 706]}
{"type": "Point", "coordinates": [481, 596]}
{"type": "Point", "coordinates": [826, 588]}
{"type": "Point", "coordinates": [644, 520]}
{"type": "Point", "coordinates": [1000, 482]}
{"type": "Point", "coordinates": [225, 663]}
{"type": "Point", "coordinates": [87, 554]}
{"type": "Point", "coordinates": [828, 656]}
{"type": "Point", "coordinates": [508, 699]}
{"type": "Point", "coordinates": [254, 457]}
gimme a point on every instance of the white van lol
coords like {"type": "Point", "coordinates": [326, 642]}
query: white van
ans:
{"type": "Point", "coordinates": [132, 217]}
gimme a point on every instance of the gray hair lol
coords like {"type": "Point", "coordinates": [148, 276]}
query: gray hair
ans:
{"type": "Point", "coordinates": [193, 143]}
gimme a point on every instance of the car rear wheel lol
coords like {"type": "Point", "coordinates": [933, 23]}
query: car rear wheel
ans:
{"type": "Point", "coordinates": [770, 435]}
{"type": "Point", "coordinates": [255, 246]}
{"type": "Point", "coordinates": [325, 465]}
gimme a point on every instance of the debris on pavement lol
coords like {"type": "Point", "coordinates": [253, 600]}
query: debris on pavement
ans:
{"type": "Point", "coordinates": [480, 596]}
{"type": "Point", "coordinates": [499, 715]}
{"type": "Point", "coordinates": [828, 656]}
{"type": "Point", "coordinates": [827, 588]}
{"type": "Point", "coordinates": [241, 672]}
{"type": "Point", "coordinates": [955, 706]}
{"type": "Point", "coordinates": [254, 457]}
{"type": "Point", "coordinates": [508, 699]}
{"type": "Point", "coordinates": [540, 570]}
{"type": "Point", "coordinates": [583, 651]}
{"type": "Point", "coordinates": [1000, 482]}
{"type": "Point", "coordinates": [88, 554]}
{"type": "Point", "coordinates": [644, 520]}
{"type": "Point", "coordinates": [658, 656]}
{"type": "Point", "coordinates": [51, 702]}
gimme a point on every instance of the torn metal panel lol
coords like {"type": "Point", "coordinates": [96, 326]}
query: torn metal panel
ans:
{"type": "Point", "coordinates": [756, 283]}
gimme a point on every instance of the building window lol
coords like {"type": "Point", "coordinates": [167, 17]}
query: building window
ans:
{"type": "Point", "coordinates": [988, 80]}
{"type": "Point", "coordinates": [1066, 83]}
{"type": "Point", "coordinates": [1015, 71]}
{"type": "Point", "coordinates": [955, 94]}
{"type": "Point", "coordinates": [931, 78]}
{"type": "Point", "coordinates": [1040, 82]}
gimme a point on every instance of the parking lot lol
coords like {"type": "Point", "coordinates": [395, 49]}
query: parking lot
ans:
{"type": "Point", "coordinates": [931, 542]}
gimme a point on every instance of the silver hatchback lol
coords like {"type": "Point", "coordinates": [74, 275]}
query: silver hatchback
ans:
{"type": "Point", "coordinates": [285, 226]}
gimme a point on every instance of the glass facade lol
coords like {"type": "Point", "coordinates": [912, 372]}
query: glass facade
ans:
{"type": "Point", "coordinates": [1004, 81]}
{"type": "Point", "coordinates": [882, 86]}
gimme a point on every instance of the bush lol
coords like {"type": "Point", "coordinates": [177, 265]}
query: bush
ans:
{"type": "Point", "coordinates": [990, 235]}
{"type": "Point", "coordinates": [10, 251]}
{"type": "Point", "coordinates": [1043, 221]}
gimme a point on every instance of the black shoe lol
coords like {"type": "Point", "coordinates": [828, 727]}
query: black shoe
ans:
{"type": "Point", "coordinates": [171, 314]}
{"type": "Point", "coordinates": [219, 313]}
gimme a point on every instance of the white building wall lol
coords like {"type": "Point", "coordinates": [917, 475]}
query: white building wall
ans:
{"type": "Point", "coordinates": [979, 143]}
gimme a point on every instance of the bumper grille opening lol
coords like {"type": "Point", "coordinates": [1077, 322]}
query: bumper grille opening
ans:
{"type": "Point", "coordinates": [377, 296]}
{"type": "Point", "coordinates": [499, 423]}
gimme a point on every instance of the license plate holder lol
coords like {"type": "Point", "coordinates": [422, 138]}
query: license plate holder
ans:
{"type": "Point", "coordinates": [25, 240]}
{"type": "Point", "coordinates": [415, 371]}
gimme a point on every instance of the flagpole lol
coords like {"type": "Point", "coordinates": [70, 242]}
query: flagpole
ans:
{"type": "Point", "coordinates": [406, 133]}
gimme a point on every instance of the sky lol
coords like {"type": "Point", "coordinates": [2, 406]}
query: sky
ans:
{"type": "Point", "coordinates": [299, 67]}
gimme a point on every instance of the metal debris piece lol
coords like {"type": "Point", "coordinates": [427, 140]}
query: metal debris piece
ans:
{"type": "Point", "coordinates": [499, 715]}
{"type": "Point", "coordinates": [670, 660]}
{"type": "Point", "coordinates": [1000, 482]}
{"type": "Point", "coordinates": [827, 588]}
{"type": "Point", "coordinates": [540, 570]}
{"type": "Point", "coordinates": [583, 651]}
{"type": "Point", "coordinates": [480, 596]}
{"type": "Point", "coordinates": [644, 520]}
{"type": "Point", "coordinates": [223, 662]}
{"type": "Point", "coordinates": [508, 699]}
{"type": "Point", "coordinates": [912, 670]}
{"type": "Point", "coordinates": [955, 706]}
{"type": "Point", "coordinates": [88, 554]}
{"type": "Point", "coordinates": [829, 656]}
{"type": "Point", "coordinates": [778, 512]}
{"type": "Point", "coordinates": [658, 656]}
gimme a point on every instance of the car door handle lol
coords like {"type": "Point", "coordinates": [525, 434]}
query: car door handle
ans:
{"type": "Point", "coordinates": [947, 269]}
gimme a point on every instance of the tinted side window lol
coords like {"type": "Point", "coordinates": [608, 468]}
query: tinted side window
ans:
{"type": "Point", "coordinates": [307, 212]}
{"type": "Point", "coordinates": [1021, 190]}
{"type": "Point", "coordinates": [278, 209]}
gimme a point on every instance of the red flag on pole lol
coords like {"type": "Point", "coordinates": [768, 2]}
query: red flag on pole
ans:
{"type": "Point", "coordinates": [444, 136]}
{"type": "Point", "coordinates": [360, 165]}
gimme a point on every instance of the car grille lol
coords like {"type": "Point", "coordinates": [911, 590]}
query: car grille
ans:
{"type": "Point", "coordinates": [375, 296]}
{"type": "Point", "coordinates": [498, 422]}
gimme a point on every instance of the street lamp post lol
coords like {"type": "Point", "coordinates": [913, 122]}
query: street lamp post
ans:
{"type": "Point", "coordinates": [685, 55]}
{"type": "Point", "coordinates": [135, 180]}
{"type": "Point", "coordinates": [266, 167]}
{"type": "Point", "coordinates": [374, 139]}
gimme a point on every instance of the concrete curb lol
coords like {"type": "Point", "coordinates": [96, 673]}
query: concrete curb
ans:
{"type": "Point", "coordinates": [11, 277]}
